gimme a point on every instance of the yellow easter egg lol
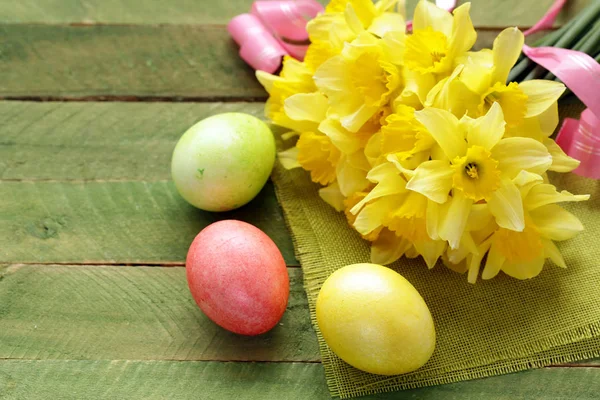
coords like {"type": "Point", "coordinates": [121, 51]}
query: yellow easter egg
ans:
{"type": "Point", "coordinates": [375, 320]}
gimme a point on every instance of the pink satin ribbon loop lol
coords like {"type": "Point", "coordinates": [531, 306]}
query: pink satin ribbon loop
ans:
{"type": "Point", "coordinates": [548, 19]}
{"type": "Point", "coordinates": [580, 73]}
{"type": "Point", "coordinates": [578, 140]}
{"type": "Point", "coordinates": [260, 34]}
{"type": "Point", "coordinates": [287, 18]}
{"type": "Point", "coordinates": [257, 46]}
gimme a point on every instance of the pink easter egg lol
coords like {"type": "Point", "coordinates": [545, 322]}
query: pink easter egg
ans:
{"type": "Point", "coordinates": [238, 277]}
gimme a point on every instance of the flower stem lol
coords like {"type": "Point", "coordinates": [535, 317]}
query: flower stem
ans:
{"type": "Point", "coordinates": [565, 37]}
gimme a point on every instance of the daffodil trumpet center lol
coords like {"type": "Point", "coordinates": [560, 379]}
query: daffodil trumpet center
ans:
{"type": "Point", "coordinates": [476, 174]}
{"type": "Point", "coordinates": [471, 170]}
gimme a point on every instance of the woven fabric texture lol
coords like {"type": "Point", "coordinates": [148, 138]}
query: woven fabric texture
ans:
{"type": "Point", "coordinates": [493, 327]}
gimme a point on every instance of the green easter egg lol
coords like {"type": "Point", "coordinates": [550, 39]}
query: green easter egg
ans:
{"type": "Point", "coordinates": [222, 162]}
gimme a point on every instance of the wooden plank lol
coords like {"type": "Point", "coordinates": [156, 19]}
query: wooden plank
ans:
{"type": "Point", "coordinates": [160, 380]}
{"type": "Point", "coordinates": [164, 61]}
{"type": "Point", "coordinates": [120, 62]}
{"type": "Point", "coordinates": [490, 13]}
{"type": "Point", "coordinates": [278, 381]}
{"type": "Point", "coordinates": [97, 141]}
{"type": "Point", "coordinates": [141, 313]}
{"type": "Point", "coordinates": [116, 222]}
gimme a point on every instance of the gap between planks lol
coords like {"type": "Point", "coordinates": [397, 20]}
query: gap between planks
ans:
{"type": "Point", "coordinates": [554, 366]}
{"type": "Point", "coordinates": [84, 24]}
{"type": "Point", "coordinates": [139, 99]}
{"type": "Point", "coordinates": [167, 264]}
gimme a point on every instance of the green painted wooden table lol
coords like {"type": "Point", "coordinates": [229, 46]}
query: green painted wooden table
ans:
{"type": "Point", "coordinates": [93, 236]}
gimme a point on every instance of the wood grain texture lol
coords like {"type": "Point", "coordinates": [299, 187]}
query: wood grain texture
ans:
{"type": "Point", "coordinates": [116, 222]}
{"type": "Point", "coordinates": [484, 12]}
{"type": "Point", "coordinates": [139, 313]}
{"type": "Point", "coordinates": [172, 61]}
{"type": "Point", "coordinates": [265, 381]}
{"type": "Point", "coordinates": [175, 62]}
{"type": "Point", "coordinates": [97, 141]}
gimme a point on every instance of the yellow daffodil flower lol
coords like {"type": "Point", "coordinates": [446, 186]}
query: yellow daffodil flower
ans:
{"type": "Point", "coordinates": [522, 254]}
{"type": "Point", "coordinates": [359, 82]}
{"type": "Point", "coordinates": [396, 218]}
{"type": "Point", "coordinates": [403, 135]}
{"type": "Point", "coordinates": [438, 40]}
{"type": "Point", "coordinates": [294, 78]}
{"type": "Point", "coordinates": [344, 20]}
{"type": "Point", "coordinates": [480, 80]}
{"type": "Point", "coordinates": [477, 164]}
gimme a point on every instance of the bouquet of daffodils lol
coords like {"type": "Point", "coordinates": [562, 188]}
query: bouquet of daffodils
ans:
{"type": "Point", "coordinates": [423, 143]}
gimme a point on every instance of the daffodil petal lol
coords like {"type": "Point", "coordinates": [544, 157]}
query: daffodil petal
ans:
{"type": "Point", "coordinates": [517, 153]}
{"type": "Point", "coordinates": [525, 181]}
{"type": "Point", "coordinates": [387, 22]}
{"type": "Point", "coordinates": [372, 216]}
{"type": "Point", "coordinates": [454, 219]}
{"type": "Point", "coordinates": [347, 142]}
{"type": "Point", "coordinates": [552, 252]}
{"type": "Point", "coordinates": [526, 178]}
{"type": "Point", "coordinates": [365, 10]}
{"type": "Point", "coordinates": [479, 217]}
{"type": "Point", "coordinates": [328, 78]}
{"type": "Point", "coordinates": [507, 49]}
{"type": "Point", "coordinates": [543, 194]}
{"type": "Point", "coordinates": [475, 262]}
{"type": "Point", "coordinates": [354, 121]}
{"type": "Point", "coordinates": [541, 94]}
{"type": "Point", "coordinates": [432, 179]}
{"type": "Point", "coordinates": [523, 270]}
{"type": "Point", "coordinates": [381, 171]}
{"type": "Point", "coordinates": [556, 223]}
{"type": "Point", "coordinates": [373, 148]}
{"type": "Point", "coordinates": [331, 195]}
{"type": "Point", "coordinates": [388, 248]}
{"type": "Point", "coordinates": [548, 120]}
{"type": "Point", "coordinates": [494, 263]}
{"type": "Point", "coordinates": [394, 184]}
{"type": "Point", "coordinates": [507, 206]}
{"type": "Point", "coordinates": [458, 255]}
{"type": "Point", "coordinates": [561, 162]}
{"type": "Point", "coordinates": [306, 107]}
{"type": "Point", "coordinates": [266, 80]}
{"type": "Point", "coordinates": [452, 94]}
{"type": "Point", "coordinates": [353, 20]}
{"type": "Point", "coordinates": [477, 72]}
{"type": "Point", "coordinates": [461, 267]}
{"type": "Point", "coordinates": [432, 219]}
{"type": "Point", "coordinates": [445, 130]}
{"type": "Point", "coordinates": [431, 251]}
{"type": "Point", "coordinates": [289, 158]}
{"type": "Point", "coordinates": [416, 84]}
{"type": "Point", "coordinates": [393, 158]}
{"type": "Point", "coordinates": [468, 243]}
{"type": "Point", "coordinates": [350, 178]}
{"type": "Point", "coordinates": [386, 5]}
{"type": "Point", "coordinates": [429, 15]}
{"type": "Point", "coordinates": [487, 130]}
{"type": "Point", "coordinates": [393, 42]}
{"type": "Point", "coordinates": [463, 34]}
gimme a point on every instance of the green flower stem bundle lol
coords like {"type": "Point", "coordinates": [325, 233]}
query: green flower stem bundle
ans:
{"type": "Point", "coordinates": [581, 33]}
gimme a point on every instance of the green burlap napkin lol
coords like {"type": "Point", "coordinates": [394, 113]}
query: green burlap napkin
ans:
{"type": "Point", "coordinates": [493, 327]}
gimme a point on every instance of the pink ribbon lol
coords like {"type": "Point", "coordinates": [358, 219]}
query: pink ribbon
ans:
{"type": "Point", "coordinates": [262, 34]}
{"type": "Point", "coordinates": [548, 19]}
{"type": "Point", "coordinates": [581, 74]}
